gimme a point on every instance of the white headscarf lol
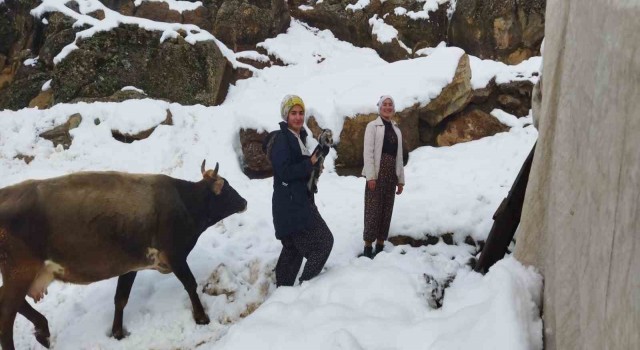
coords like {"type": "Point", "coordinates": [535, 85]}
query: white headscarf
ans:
{"type": "Point", "coordinates": [382, 99]}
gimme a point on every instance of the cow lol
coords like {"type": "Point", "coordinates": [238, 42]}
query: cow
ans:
{"type": "Point", "coordinates": [90, 226]}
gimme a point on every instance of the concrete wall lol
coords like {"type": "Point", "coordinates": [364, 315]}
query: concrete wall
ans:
{"type": "Point", "coordinates": [581, 217]}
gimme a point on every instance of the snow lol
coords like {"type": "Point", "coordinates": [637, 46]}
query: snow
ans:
{"type": "Point", "coordinates": [252, 55]}
{"type": "Point", "coordinates": [305, 7]}
{"type": "Point", "coordinates": [377, 305]}
{"type": "Point", "coordinates": [384, 33]}
{"type": "Point", "coordinates": [30, 62]}
{"type": "Point", "coordinates": [132, 88]}
{"type": "Point", "coordinates": [47, 85]}
{"type": "Point", "coordinates": [355, 303]}
{"type": "Point", "coordinates": [361, 4]}
{"type": "Point", "coordinates": [429, 6]}
{"type": "Point", "coordinates": [485, 70]}
{"type": "Point", "coordinates": [176, 5]}
{"type": "Point", "coordinates": [429, 50]}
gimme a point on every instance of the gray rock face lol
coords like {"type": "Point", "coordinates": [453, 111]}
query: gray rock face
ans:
{"type": "Point", "coordinates": [128, 55]}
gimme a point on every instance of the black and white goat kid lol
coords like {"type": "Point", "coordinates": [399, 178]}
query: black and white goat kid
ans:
{"type": "Point", "coordinates": [325, 141]}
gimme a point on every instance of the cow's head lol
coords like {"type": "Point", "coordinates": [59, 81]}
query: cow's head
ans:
{"type": "Point", "coordinates": [225, 200]}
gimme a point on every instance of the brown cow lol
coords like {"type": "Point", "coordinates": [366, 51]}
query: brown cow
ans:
{"type": "Point", "coordinates": [90, 226]}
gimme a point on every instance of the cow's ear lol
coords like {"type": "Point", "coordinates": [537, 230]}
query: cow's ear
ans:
{"type": "Point", "coordinates": [217, 185]}
{"type": "Point", "coordinates": [202, 166]}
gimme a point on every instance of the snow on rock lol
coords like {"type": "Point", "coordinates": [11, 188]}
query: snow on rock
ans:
{"type": "Point", "coordinates": [176, 5]}
{"type": "Point", "coordinates": [113, 19]}
{"type": "Point", "coordinates": [361, 4]}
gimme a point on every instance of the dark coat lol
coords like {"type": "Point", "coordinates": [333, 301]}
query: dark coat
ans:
{"type": "Point", "coordinates": [291, 206]}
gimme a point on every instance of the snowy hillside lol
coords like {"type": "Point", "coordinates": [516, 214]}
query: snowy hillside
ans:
{"type": "Point", "coordinates": [355, 303]}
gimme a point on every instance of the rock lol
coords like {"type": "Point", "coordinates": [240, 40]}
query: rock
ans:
{"type": "Point", "coordinates": [60, 134]}
{"type": "Point", "coordinates": [131, 56]}
{"type": "Point", "coordinates": [241, 24]}
{"type": "Point", "coordinates": [417, 33]}
{"type": "Point", "coordinates": [453, 98]}
{"type": "Point", "coordinates": [255, 162]}
{"type": "Point", "coordinates": [201, 16]}
{"type": "Point", "coordinates": [447, 238]}
{"type": "Point", "coordinates": [158, 11]}
{"type": "Point", "coordinates": [480, 96]}
{"type": "Point", "coordinates": [506, 30]}
{"type": "Point", "coordinates": [27, 159]}
{"type": "Point", "coordinates": [509, 103]}
{"type": "Point", "coordinates": [129, 138]}
{"type": "Point", "coordinates": [515, 97]}
{"type": "Point", "coordinates": [125, 7]}
{"type": "Point", "coordinates": [351, 143]}
{"type": "Point", "coordinates": [404, 240]}
{"type": "Point", "coordinates": [43, 100]}
{"type": "Point", "coordinates": [468, 126]}
{"type": "Point", "coordinates": [27, 84]}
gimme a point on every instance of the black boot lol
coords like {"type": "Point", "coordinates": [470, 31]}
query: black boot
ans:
{"type": "Point", "coordinates": [379, 248]}
{"type": "Point", "coordinates": [368, 252]}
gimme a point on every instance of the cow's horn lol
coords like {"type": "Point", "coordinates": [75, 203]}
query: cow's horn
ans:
{"type": "Point", "coordinates": [202, 166]}
{"type": "Point", "coordinates": [215, 171]}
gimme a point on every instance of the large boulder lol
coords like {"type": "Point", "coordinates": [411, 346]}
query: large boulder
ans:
{"type": "Point", "coordinates": [453, 98]}
{"type": "Point", "coordinates": [351, 143]}
{"type": "Point", "coordinates": [131, 56]}
{"type": "Point", "coordinates": [468, 126]}
{"type": "Point", "coordinates": [506, 30]}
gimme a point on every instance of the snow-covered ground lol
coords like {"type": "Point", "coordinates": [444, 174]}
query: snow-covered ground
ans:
{"type": "Point", "coordinates": [355, 303]}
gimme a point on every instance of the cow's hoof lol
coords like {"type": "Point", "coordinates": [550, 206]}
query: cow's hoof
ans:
{"type": "Point", "coordinates": [118, 334]}
{"type": "Point", "coordinates": [203, 319]}
{"type": "Point", "coordinates": [43, 339]}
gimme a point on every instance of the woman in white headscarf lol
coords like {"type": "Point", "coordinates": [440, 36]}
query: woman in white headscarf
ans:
{"type": "Point", "coordinates": [384, 171]}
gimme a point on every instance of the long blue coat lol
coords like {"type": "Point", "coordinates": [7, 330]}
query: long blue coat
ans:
{"type": "Point", "coordinates": [291, 206]}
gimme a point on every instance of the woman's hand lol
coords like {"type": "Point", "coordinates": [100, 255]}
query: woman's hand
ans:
{"type": "Point", "coordinates": [371, 185]}
{"type": "Point", "coordinates": [314, 159]}
{"type": "Point", "coordinates": [400, 189]}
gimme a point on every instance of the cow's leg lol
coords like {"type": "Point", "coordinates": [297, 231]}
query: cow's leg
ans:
{"type": "Point", "coordinates": [39, 322]}
{"type": "Point", "coordinates": [182, 271]}
{"type": "Point", "coordinates": [17, 280]}
{"type": "Point", "coordinates": [125, 282]}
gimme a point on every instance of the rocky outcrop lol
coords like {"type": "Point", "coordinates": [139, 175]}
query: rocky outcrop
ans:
{"type": "Point", "coordinates": [131, 56]}
{"type": "Point", "coordinates": [468, 126]}
{"type": "Point", "coordinates": [117, 58]}
{"type": "Point", "coordinates": [506, 30]}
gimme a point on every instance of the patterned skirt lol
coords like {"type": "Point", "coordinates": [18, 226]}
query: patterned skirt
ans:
{"type": "Point", "coordinates": [378, 204]}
